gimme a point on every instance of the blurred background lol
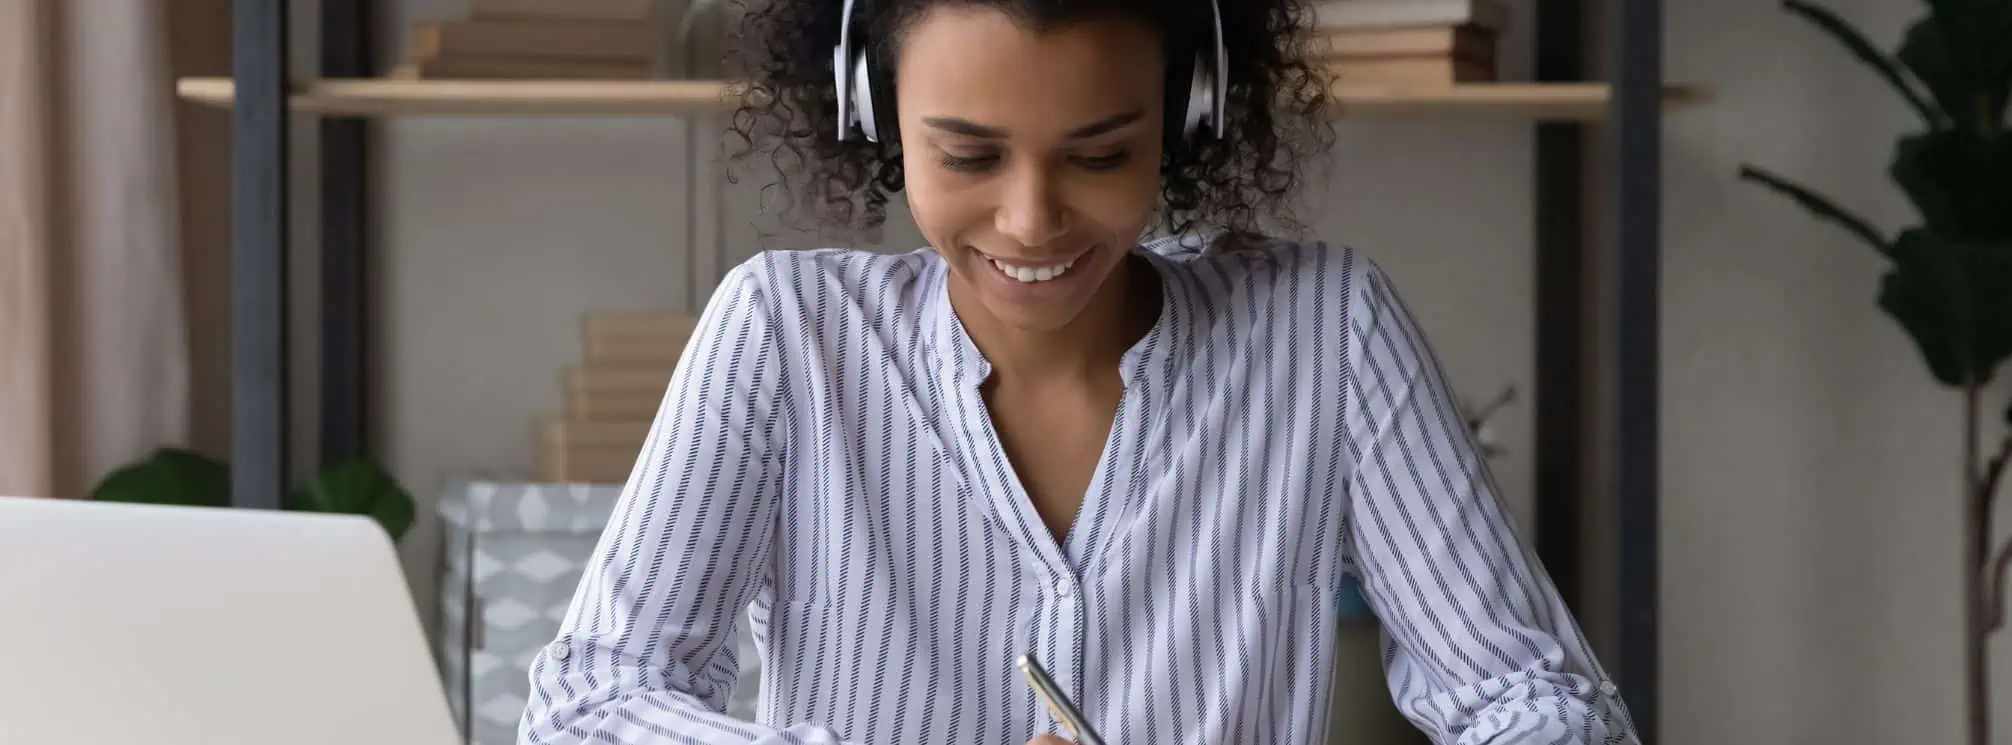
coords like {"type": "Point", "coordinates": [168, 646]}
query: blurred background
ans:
{"type": "Point", "coordinates": [526, 265]}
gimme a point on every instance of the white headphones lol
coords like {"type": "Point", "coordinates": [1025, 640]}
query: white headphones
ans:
{"type": "Point", "coordinates": [866, 93]}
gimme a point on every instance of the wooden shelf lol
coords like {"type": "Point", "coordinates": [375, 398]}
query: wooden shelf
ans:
{"type": "Point", "coordinates": [388, 97]}
{"type": "Point", "coordinates": [1535, 101]}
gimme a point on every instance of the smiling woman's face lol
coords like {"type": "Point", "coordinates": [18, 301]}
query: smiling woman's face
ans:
{"type": "Point", "coordinates": [1031, 157]}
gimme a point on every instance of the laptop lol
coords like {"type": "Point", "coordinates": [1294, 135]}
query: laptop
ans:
{"type": "Point", "coordinates": [127, 624]}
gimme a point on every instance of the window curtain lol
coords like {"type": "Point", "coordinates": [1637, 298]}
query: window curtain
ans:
{"type": "Point", "coordinates": [94, 362]}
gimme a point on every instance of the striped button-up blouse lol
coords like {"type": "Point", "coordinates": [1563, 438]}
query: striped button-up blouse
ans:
{"type": "Point", "coordinates": [824, 459]}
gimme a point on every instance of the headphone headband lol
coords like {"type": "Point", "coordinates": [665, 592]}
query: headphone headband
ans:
{"type": "Point", "coordinates": [866, 93]}
{"type": "Point", "coordinates": [1219, 75]}
{"type": "Point", "coordinates": [841, 68]}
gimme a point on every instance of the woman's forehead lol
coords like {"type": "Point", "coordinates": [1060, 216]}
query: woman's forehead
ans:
{"type": "Point", "coordinates": [984, 65]}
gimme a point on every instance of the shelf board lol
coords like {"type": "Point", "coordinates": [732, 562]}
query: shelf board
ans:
{"type": "Point", "coordinates": [390, 97]}
{"type": "Point", "coordinates": [1534, 101]}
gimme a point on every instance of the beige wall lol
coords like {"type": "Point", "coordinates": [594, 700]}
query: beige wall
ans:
{"type": "Point", "coordinates": [1809, 553]}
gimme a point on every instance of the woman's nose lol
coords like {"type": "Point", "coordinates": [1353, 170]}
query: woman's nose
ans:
{"type": "Point", "coordinates": [1029, 213]}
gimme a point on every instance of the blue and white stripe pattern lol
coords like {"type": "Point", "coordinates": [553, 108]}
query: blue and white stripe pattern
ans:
{"type": "Point", "coordinates": [824, 454]}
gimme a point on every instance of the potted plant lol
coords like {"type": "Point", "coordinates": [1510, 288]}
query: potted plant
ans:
{"type": "Point", "coordinates": [1949, 284]}
{"type": "Point", "coordinates": [176, 476]}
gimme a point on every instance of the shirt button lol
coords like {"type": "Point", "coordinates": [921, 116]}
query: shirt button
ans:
{"type": "Point", "coordinates": [1609, 688]}
{"type": "Point", "coordinates": [560, 651]}
{"type": "Point", "coordinates": [1064, 589]}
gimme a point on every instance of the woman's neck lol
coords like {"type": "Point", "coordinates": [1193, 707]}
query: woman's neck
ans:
{"type": "Point", "coordinates": [1088, 348]}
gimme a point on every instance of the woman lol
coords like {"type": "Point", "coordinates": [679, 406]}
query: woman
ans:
{"type": "Point", "coordinates": [1150, 466]}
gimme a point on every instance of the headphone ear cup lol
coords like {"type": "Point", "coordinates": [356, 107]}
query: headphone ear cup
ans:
{"type": "Point", "coordinates": [861, 96]}
{"type": "Point", "coordinates": [841, 72]}
{"type": "Point", "coordinates": [1202, 108]}
{"type": "Point", "coordinates": [879, 82]}
{"type": "Point", "coordinates": [1181, 72]}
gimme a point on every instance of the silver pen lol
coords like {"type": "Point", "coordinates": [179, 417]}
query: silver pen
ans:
{"type": "Point", "coordinates": [1058, 702]}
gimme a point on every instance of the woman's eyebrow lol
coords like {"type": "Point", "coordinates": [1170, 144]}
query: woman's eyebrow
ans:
{"type": "Point", "coordinates": [968, 128]}
{"type": "Point", "coordinates": [1108, 125]}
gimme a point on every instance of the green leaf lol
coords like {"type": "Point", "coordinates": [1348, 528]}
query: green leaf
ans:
{"type": "Point", "coordinates": [1955, 300]}
{"type": "Point", "coordinates": [1960, 181]}
{"type": "Point", "coordinates": [1819, 205]}
{"type": "Point", "coordinates": [1995, 55]}
{"type": "Point", "coordinates": [169, 476]}
{"type": "Point", "coordinates": [359, 487]}
{"type": "Point", "coordinates": [1863, 49]}
{"type": "Point", "coordinates": [1933, 59]}
{"type": "Point", "coordinates": [1977, 35]}
{"type": "Point", "coordinates": [1921, 292]}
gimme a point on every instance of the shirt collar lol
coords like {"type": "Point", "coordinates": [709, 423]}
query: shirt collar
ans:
{"type": "Point", "coordinates": [958, 362]}
{"type": "Point", "coordinates": [1153, 358]}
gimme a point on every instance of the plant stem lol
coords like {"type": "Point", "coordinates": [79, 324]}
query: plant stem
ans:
{"type": "Point", "coordinates": [1994, 603]}
{"type": "Point", "coordinates": [1994, 608]}
{"type": "Point", "coordinates": [1977, 532]}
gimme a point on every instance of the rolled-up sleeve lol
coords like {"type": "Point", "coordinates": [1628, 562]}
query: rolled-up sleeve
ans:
{"type": "Point", "coordinates": [1479, 647]}
{"type": "Point", "coordinates": [645, 655]}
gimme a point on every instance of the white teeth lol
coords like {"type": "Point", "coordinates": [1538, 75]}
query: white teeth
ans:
{"type": "Point", "coordinates": [1033, 273]}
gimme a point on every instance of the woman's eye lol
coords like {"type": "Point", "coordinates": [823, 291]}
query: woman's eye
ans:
{"type": "Point", "coordinates": [1110, 162]}
{"type": "Point", "coordinates": [968, 162]}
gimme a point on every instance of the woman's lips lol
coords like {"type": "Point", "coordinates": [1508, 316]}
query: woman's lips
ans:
{"type": "Point", "coordinates": [1033, 271]}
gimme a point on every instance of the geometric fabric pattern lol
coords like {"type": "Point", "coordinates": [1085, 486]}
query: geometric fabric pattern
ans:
{"type": "Point", "coordinates": [513, 557]}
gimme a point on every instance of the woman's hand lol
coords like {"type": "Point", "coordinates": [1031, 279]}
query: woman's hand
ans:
{"type": "Point", "coordinates": [1049, 740]}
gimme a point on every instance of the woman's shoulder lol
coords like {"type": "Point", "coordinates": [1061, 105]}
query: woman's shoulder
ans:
{"type": "Point", "coordinates": [845, 265]}
{"type": "Point", "coordinates": [828, 298]}
{"type": "Point", "coordinates": [1270, 270]}
{"type": "Point", "coordinates": [824, 277]}
{"type": "Point", "coordinates": [1312, 303]}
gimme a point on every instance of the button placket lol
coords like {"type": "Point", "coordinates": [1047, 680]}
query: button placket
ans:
{"type": "Point", "coordinates": [1067, 617]}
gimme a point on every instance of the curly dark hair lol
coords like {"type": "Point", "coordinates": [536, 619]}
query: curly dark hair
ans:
{"type": "Point", "coordinates": [1276, 123]}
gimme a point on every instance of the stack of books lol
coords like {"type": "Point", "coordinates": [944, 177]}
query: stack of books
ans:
{"type": "Point", "coordinates": [540, 39]}
{"type": "Point", "coordinates": [1409, 43]}
{"type": "Point", "coordinates": [611, 397]}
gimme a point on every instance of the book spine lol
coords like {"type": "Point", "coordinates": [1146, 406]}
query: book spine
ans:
{"type": "Point", "coordinates": [591, 452]}
{"type": "Point", "coordinates": [597, 10]}
{"type": "Point", "coordinates": [610, 407]}
{"type": "Point", "coordinates": [563, 466]}
{"type": "Point", "coordinates": [605, 352]}
{"type": "Point", "coordinates": [1409, 13]}
{"type": "Point", "coordinates": [624, 379]}
{"type": "Point", "coordinates": [608, 434]}
{"type": "Point", "coordinates": [636, 338]}
{"type": "Point", "coordinates": [581, 40]}
{"type": "Point", "coordinates": [1458, 41]}
{"type": "Point", "coordinates": [471, 67]}
{"type": "Point", "coordinates": [643, 325]}
{"type": "Point", "coordinates": [1410, 72]}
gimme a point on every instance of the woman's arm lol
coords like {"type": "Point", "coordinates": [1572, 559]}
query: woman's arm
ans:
{"type": "Point", "coordinates": [1480, 647]}
{"type": "Point", "coordinates": [645, 654]}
